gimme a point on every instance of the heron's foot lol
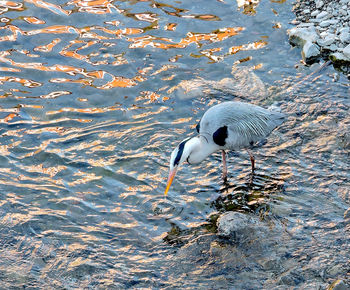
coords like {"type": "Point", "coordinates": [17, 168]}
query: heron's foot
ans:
{"type": "Point", "coordinates": [224, 177]}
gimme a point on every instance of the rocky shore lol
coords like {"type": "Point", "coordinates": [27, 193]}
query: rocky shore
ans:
{"type": "Point", "coordinates": [322, 29]}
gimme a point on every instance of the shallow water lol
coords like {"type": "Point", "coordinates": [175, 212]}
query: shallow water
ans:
{"type": "Point", "coordinates": [90, 112]}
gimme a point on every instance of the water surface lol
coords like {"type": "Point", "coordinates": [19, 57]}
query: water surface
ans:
{"type": "Point", "coordinates": [90, 110]}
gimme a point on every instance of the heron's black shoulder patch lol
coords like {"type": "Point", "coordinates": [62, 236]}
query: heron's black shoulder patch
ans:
{"type": "Point", "coordinates": [220, 136]}
{"type": "Point", "coordinates": [180, 151]}
{"type": "Point", "coordinates": [198, 127]}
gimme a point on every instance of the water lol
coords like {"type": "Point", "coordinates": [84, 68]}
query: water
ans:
{"type": "Point", "coordinates": [90, 112]}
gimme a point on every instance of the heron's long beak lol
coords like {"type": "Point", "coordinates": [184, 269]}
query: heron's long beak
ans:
{"type": "Point", "coordinates": [170, 180]}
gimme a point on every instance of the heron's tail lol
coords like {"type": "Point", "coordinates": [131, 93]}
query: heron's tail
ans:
{"type": "Point", "coordinates": [277, 117]}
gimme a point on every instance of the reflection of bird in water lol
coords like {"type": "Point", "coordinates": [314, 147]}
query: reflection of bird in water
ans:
{"type": "Point", "coordinates": [226, 126]}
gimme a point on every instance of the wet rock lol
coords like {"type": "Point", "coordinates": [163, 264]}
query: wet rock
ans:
{"type": "Point", "coordinates": [322, 15]}
{"type": "Point", "coordinates": [190, 89]}
{"type": "Point", "coordinates": [234, 224]}
{"type": "Point", "coordinates": [328, 40]}
{"type": "Point", "coordinates": [247, 83]}
{"type": "Point", "coordinates": [300, 35]}
{"type": "Point", "coordinates": [344, 37]}
{"type": "Point", "coordinates": [332, 20]}
{"type": "Point", "coordinates": [243, 83]}
{"type": "Point", "coordinates": [305, 37]}
{"type": "Point", "coordinates": [310, 51]}
{"type": "Point", "coordinates": [346, 51]}
{"type": "Point", "coordinates": [339, 57]}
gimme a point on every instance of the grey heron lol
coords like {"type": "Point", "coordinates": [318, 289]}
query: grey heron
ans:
{"type": "Point", "coordinates": [225, 126]}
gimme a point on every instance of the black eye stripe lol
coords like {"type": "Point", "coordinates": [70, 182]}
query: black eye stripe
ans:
{"type": "Point", "coordinates": [179, 152]}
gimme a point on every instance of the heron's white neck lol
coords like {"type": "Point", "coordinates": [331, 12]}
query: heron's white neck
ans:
{"type": "Point", "coordinates": [200, 149]}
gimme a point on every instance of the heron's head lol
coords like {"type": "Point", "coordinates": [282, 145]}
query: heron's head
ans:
{"type": "Point", "coordinates": [180, 154]}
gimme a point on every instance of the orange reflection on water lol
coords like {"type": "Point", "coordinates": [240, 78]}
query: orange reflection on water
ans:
{"type": "Point", "coordinates": [150, 96]}
{"type": "Point", "coordinates": [52, 7]}
{"type": "Point", "coordinates": [14, 30]}
{"type": "Point", "coordinates": [48, 47]}
{"type": "Point", "coordinates": [51, 171]}
{"type": "Point", "coordinates": [85, 111]}
{"type": "Point", "coordinates": [115, 82]}
{"type": "Point", "coordinates": [250, 46]}
{"type": "Point", "coordinates": [9, 69]}
{"type": "Point", "coordinates": [5, 5]}
{"type": "Point", "coordinates": [197, 38]}
{"type": "Point", "coordinates": [95, 6]}
{"type": "Point", "coordinates": [83, 178]}
{"type": "Point", "coordinates": [120, 82]}
{"type": "Point", "coordinates": [23, 82]}
{"type": "Point", "coordinates": [33, 20]}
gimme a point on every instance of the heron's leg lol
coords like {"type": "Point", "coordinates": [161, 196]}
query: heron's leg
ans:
{"type": "Point", "coordinates": [252, 160]}
{"type": "Point", "coordinates": [224, 166]}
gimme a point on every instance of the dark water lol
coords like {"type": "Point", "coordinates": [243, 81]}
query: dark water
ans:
{"type": "Point", "coordinates": [90, 111]}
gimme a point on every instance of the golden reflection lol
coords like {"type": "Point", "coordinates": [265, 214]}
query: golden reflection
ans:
{"type": "Point", "coordinates": [83, 178]}
{"type": "Point", "coordinates": [150, 96]}
{"type": "Point", "coordinates": [52, 7]}
{"type": "Point", "coordinates": [115, 82]}
{"type": "Point", "coordinates": [250, 46]}
{"type": "Point", "coordinates": [33, 20]}
{"type": "Point", "coordinates": [51, 171]}
{"type": "Point", "coordinates": [48, 47]}
{"type": "Point", "coordinates": [170, 26]}
{"type": "Point", "coordinates": [23, 82]}
{"type": "Point", "coordinates": [14, 30]}
{"type": "Point", "coordinates": [6, 5]}
{"type": "Point", "coordinates": [9, 69]}
{"type": "Point", "coordinates": [95, 6]}
{"type": "Point", "coordinates": [197, 38]}
{"type": "Point", "coordinates": [4, 150]}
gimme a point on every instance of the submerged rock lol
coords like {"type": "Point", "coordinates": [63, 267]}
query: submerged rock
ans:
{"type": "Point", "coordinates": [236, 224]}
{"type": "Point", "coordinates": [243, 83]}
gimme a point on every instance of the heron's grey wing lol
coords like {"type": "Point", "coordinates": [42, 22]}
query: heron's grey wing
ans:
{"type": "Point", "coordinates": [244, 123]}
{"type": "Point", "coordinates": [251, 127]}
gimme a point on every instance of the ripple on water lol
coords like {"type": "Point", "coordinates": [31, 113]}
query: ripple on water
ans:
{"type": "Point", "coordinates": [95, 95]}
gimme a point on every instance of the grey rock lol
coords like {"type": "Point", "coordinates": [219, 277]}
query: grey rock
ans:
{"type": "Point", "coordinates": [343, 12]}
{"type": "Point", "coordinates": [332, 47]}
{"type": "Point", "coordinates": [326, 23]}
{"type": "Point", "coordinates": [299, 36]}
{"type": "Point", "coordinates": [232, 224]}
{"type": "Point", "coordinates": [310, 50]}
{"type": "Point", "coordinates": [344, 37]}
{"type": "Point", "coordinates": [339, 57]}
{"type": "Point", "coordinates": [314, 13]}
{"type": "Point", "coordinates": [322, 15]}
{"type": "Point", "coordinates": [346, 51]}
{"type": "Point", "coordinates": [328, 40]}
{"type": "Point", "coordinates": [319, 3]}
{"type": "Point", "coordinates": [343, 30]}
{"type": "Point", "coordinates": [308, 24]}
